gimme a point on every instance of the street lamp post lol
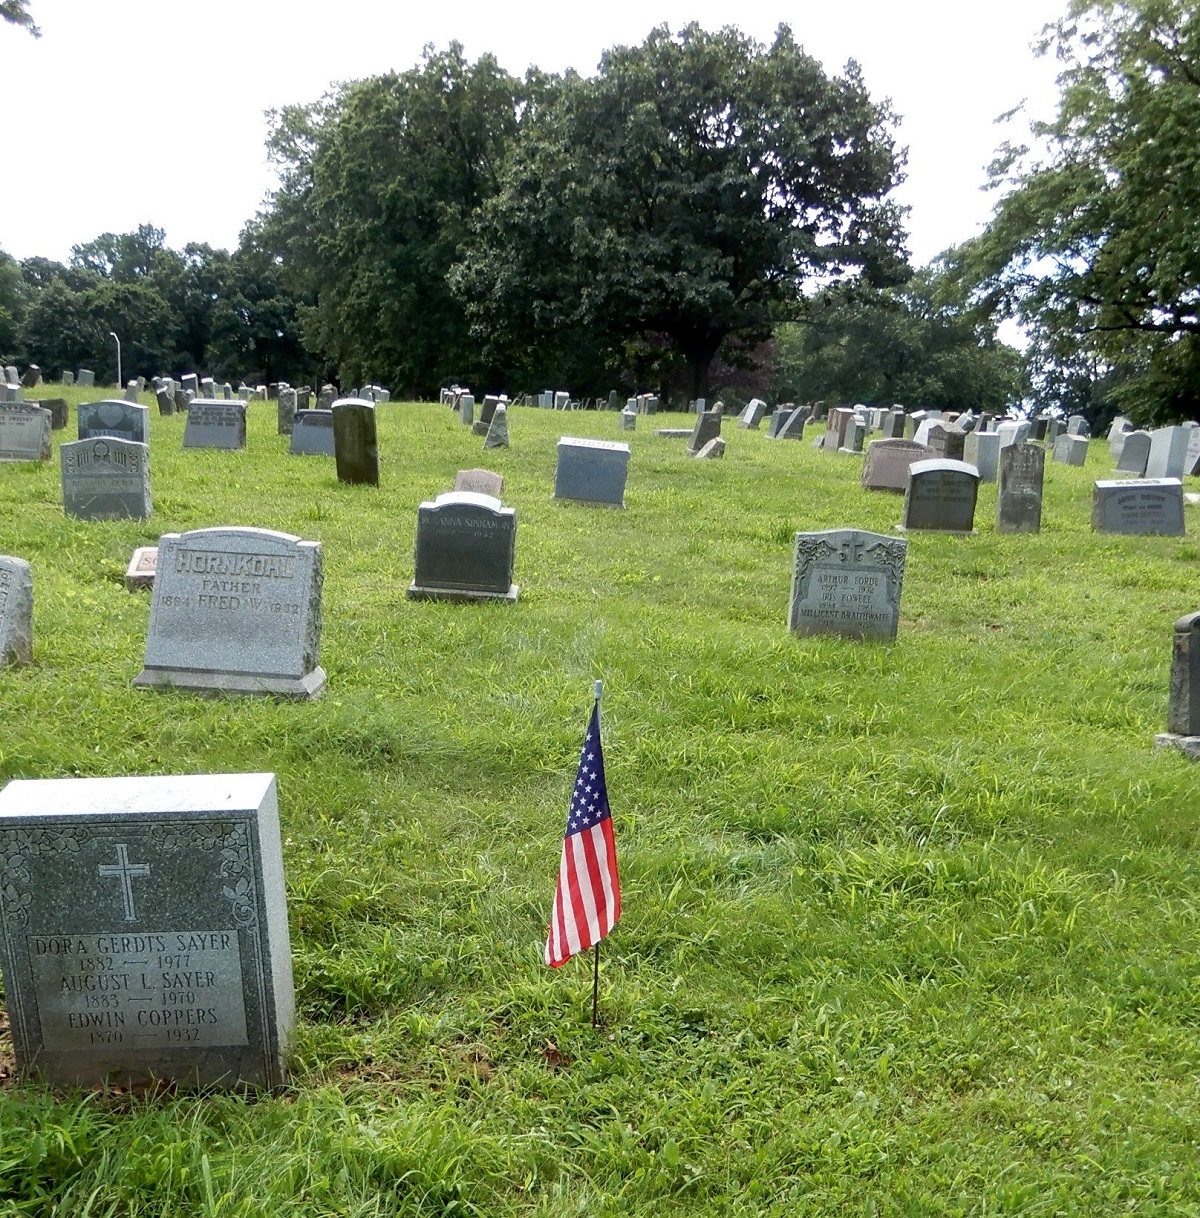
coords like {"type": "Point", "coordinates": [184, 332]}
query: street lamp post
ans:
{"type": "Point", "coordinates": [113, 335]}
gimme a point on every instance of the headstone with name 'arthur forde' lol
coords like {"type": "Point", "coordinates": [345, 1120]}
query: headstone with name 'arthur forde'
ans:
{"type": "Point", "coordinates": [1138, 506]}
{"type": "Point", "coordinates": [355, 448]}
{"type": "Point", "coordinates": [125, 420]}
{"type": "Point", "coordinates": [16, 612]}
{"type": "Point", "coordinates": [465, 548]}
{"type": "Point", "coordinates": [215, 423]}
{"type": "Point", "coordinates": [24, 432]}
{"type": "Point", "coordinates": [941, 497]}
{"type": "Point", "coordinates": [887, 464]}
{"type": "Point", "coordinates": [236, 610]}
{"type": "Point", "coordinates": [106, 479]}
{"type": "Point", "coordinates": [591, 471]}
{"type": "Point", "coordinates": [848, 582]}
{"type": "Point", "coordinates": [143, 931]}
{"type": "Point", "coordinates": [312, 433]}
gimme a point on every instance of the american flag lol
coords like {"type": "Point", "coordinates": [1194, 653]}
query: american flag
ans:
{"type": "Point", "coordinates": [587, 901]}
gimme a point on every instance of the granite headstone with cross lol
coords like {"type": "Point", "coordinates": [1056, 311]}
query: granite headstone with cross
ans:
{"type": "Point", "coordinates": [848, 582]}
{"type": "Point", "coordinates": [106, 479]}
{"type": "Point", "coordinates": [143, 930]}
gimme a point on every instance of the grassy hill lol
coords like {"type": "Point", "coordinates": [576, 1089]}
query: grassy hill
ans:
{"type": "Point", "coordinates": [908, 929]}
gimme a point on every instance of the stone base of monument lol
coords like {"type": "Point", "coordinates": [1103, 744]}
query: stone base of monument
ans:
{"type": "Point", "coordinates": [1189, 746]}
{"type": "Point", "coordinates": [425, 592]}
{"type": "Point", "coordinates": [305, 688]}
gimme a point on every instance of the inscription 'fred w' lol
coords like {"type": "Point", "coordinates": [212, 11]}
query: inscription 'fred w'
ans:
{"type": "Point", "coordinates": [125, 871]}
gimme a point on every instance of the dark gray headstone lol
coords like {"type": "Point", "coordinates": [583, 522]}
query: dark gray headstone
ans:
{"type": "Point", "coordinates": [497, 432]}
{"type": "Point", "coordinates": [106, 479]}
{"type": "Point", "coordinates": [707, 427]}
{"type": "Point", "coordinates": [465, 548]}
{"type": "Point", "coordinates": [16, 612]}
{"type": "Point", "coordinates": [58, 411]}
{"type": "Point", "coordinates": [354, 444]}
{"type": "Point", "coordinates": [1135, 453]}
{"type": "Point", "coordinates": [125, 420]}
{"type": "Point", "coordinates": [591, 471]}
{"type": "Point", "coordinates": [887, 464]}
{"type": "Point", "coordinates": [1022, 469]}
{"type": "Point", "coordinates": [236, 610]}
{"type": "Point", "coordinates": [32, 377]}
{"type": "Point", "coordinates": [24, 432]}
{"type": "Point", "coordinates": [285, 411]}
{"type": "Point", "coordinates": [144, 933]}
{"type": "Point", "coordinates": [1138, 506]}
{"type": "Point", "coordinates": [848, 582]}
{"type": "Point", "coordinates": [941, 496]}
{"type": "Point", "coordinates": [182, 401]}
{"type": "Point", "coordinates": [166, 399]}
{"type": "Point", "coordinates": [793, 426]}
{"type": "Point", "coordinates": [312, 433]}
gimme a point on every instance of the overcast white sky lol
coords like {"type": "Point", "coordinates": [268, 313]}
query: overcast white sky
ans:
{"type": "Point", "coordinates": [135, 111]}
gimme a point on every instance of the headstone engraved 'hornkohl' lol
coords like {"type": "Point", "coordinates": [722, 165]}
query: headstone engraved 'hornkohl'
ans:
{"type": "Point", "coordinates": [143, 930]}
{"type": "Point", "coordinates": [465, 548]}
{"type": "Point", "coordinates": [16, 611]}
{"type": "Point", "coordinates": [125, 420]}
{"type": "Point", "coordinates": [847, 582]}
{"type": "Point", "coordinates": [215, 423]}
{"type": "Point", "coordinates": [106, 479]}
{"type": "Point", "coordinates": [236, 610]}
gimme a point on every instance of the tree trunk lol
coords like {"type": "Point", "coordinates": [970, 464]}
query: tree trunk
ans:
{"type": "Point", "coordinates": [700, 351]}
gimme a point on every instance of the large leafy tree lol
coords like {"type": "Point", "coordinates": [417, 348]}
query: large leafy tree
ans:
{"type": "Point", "coordinates": [696, 188]}
{"type": "Point", "coordinates": [16, 12]}
{"type": "Point", "coordinates": [378, 184]}
{"type": "Point", "coordinates": [1095, 246]}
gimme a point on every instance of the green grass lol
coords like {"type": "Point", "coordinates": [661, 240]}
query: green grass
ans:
{"type": "Point", "coordinates": [908, 929]}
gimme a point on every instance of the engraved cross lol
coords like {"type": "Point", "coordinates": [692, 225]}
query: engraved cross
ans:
{"type": "Point", "coordinates": [852, 550]}
{"type": "Point", "coordinates": [124, 871]}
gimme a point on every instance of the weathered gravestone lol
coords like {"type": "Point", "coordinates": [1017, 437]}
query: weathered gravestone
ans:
{"type": "Point", "coordinates": [312, 433]}
{"type": "Point", "coordinates": [1135, 452]}
{"type": "Point", "coordinates": [941, 496]}
{"type": "Point", "coordinates": [285, 411]}
{"type": "Point", "coordinates": [191, 380]}
{"type": "Point", "coordinates": [779, 416]}
{"type": "Point", "coordinates": [24, 432]}
{"type": "Point", "coordinates": [165, 396]}
{"type": "Point", "coordinates": [139, 575]}
{"type": "Point", "coordinates": [854, 437]}
{"type": "Point", "coordinates": [355, 448]}
{"type": "Point", "coordinates": [236, 610]}
{"type": "Point", "coordinates": [16, 611]}
{"type": "Point", "coordinates": [479, 482]}
{"type": "Point", "coordinates": [752, 415]}
{"type": "Point", "coordinates": [466, 409]}
{"type": "Point", "coordinates": [628, 420]}
{"type": "Point", "coordinates": [132, 392]}
{"type": "Point", "coordinates": [214, 423]}
{"type": "Point", "coordinates": [59, 414]}
{"type": "Point", "coordinates": [793, 426]}
{"type": "Point", "coordinates": [465, 548]}
{"type": "Point", "coordinates": [982, 450]}
{"type": "Point", "coordinates": [1183, 710]}
{"type": "Point", "coordinates": [1138, 506]}
{"type": "Point", "coordinates": [497, 432]}
{"type": "Point", "coordinates": [591, 471]}
{"type": "Point", "coordinates": [887, 464]}
{"type": "Point", "coordinates": [848, 582]}
{"type": "Point", "coordinates": [713, 450]}
{"type": "Point", "coordinates": [106, 479]}
{"type": "Point", "coordinates": [144, 931]}
{"type": "Point", "coordinates": [707, 427]}
{"type": "Point", "coordinates": [68, 377]}
{"type": "Point", "coordinates": [32, 378]}
{"type": "Point", "coordinates": [946, 441]}
{"type": "Point", "coordinates": [125, 420]}
{"type": "Point", "coordinates": [182, 401]}
{"type": "Point", "coordinates": [1019, 493]}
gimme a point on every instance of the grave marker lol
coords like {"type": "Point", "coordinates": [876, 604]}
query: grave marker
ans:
{"type": "Point", "coordinates": [355, 448]}
{"type": "Point", "coordinates": [847, 582]}
{"type": "Point", "coordinates": [236, 610]}
{"type": "Point", "coordinates": [591, 471]}
{"type": "Point", "coordinates": [24, 432]}
{"type": "Point", "coordinates": [887, 464]}
{"type": "Point", "coordinates": [479, 482]}
{"type": "Point", "coordinates": [465, 548]}
{"type": "Point", "coordinates": [214, 423]}
{"type": "Point", "coordinates": [139, 574]}
{"type": "Point", "coordinates": [106, 479]}
{"type": "Point", "coordinates": [1183, 709]}
{"type": "Point", "coordinates": [1019, 494]}
{"type": "Point", "coordinates": [1138, 506]}
{"type": "Point", "coordinates": [125, 420]}
{"type": "Point", "coordinates": [312, 433]}
{"type": "Point", "coordinates": [497, 434]}
{"type": "Point", "coordinates": [16, 611]}
{"type": "Point", "coordinates": [941, 496]}
{"type": "Point", "coordinates": [144, 932]}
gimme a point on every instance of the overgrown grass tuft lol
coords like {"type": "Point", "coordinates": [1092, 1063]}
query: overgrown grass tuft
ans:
{"type": "Point", "coordinates": [908, 929]}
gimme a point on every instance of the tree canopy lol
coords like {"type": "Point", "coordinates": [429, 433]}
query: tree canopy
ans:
{"type": "Point", "coordinates": [16, 12]}
{"type": "Point", "coordinates": [1095, 246]}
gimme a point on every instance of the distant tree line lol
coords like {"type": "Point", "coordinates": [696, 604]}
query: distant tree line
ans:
{"type": "Point", "coordinates": [703, 214]}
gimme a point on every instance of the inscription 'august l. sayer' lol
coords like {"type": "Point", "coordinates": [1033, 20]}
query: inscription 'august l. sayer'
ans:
{"type": "Point", "coordinates": [215, 562]}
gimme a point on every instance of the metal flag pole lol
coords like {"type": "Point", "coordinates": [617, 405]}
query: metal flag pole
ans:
{"type": "Point", "coordinates": [597, 690]}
